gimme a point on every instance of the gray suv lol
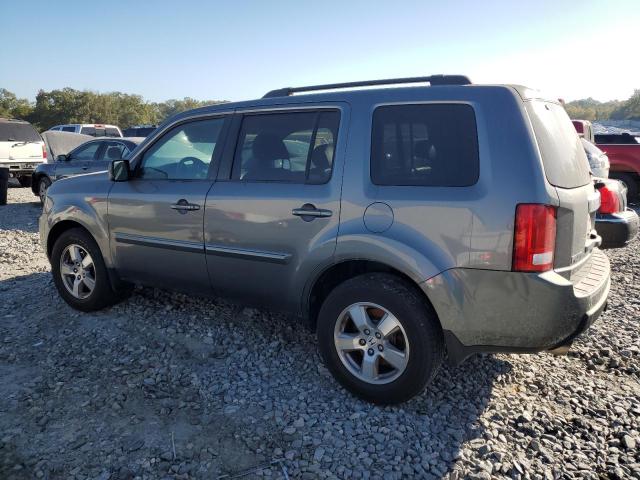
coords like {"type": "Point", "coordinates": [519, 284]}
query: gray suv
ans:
{"type": "Point", "coordinates": [402, 223]}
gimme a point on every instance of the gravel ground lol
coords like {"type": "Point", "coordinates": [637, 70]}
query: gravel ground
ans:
{"type": "Point", "coordinates": [164, 385]}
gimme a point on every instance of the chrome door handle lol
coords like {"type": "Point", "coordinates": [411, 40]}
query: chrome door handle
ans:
{"type": "Point", "coordinates": [310, 212]}
{"type": "Point", "coordinates": [183, 206]}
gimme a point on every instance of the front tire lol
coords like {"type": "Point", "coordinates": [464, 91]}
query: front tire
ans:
{"type": "Point", "coordinates": [380, 338]}
{"type": "Point", "coordinates": [79, 272]}
{"type": "Point", "coordinates": [43, 185]}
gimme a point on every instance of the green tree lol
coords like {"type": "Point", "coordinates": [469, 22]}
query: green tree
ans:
{"type": "Point", "coordinates": [12, 106]}
{"type": "Point", "coordinates": [629, 110]}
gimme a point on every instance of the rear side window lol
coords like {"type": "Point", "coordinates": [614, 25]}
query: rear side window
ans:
{"type": "Point", "coordinates": [69, 129]}
{"type": "Point", "coordinates": [424, 145]}
{"type": "Point", "coordinates": [88, 131]}
{"type": "Point", "coordinates": [565, 162]}
{"type": "Point", "coordinates": [293, 147]}
{"type": "Point", "coordinates": [112, 132]}
{"type": "Point", "coordinates": [19, 132]}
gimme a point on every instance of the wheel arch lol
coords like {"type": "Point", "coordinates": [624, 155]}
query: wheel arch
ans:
{"type": "Point", "coordinates": [330, 277]}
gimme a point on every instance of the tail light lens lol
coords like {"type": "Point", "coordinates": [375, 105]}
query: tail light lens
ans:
{"type": "Point", "coordinates": [534, 239]}
{"type": "Point", "coordinates": [44, 152]}
{"type": "Point", "coordinates": [609, 202]}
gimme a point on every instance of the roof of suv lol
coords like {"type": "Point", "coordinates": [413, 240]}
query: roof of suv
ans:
{"type": "Point", "coordinates": [357, 90]}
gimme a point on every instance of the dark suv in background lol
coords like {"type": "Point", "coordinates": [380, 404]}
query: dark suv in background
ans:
{"type": "Point", "coordinates": [401, 223]}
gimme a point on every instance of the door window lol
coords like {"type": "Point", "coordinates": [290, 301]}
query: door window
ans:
{"type": "Point", "coordinates": [114, 151]}
{"type": "Point", "coordinates": [88, 131]}
{"type": "Point", "coordinates": [68, 129]}
{"type": "Point", "coordinates": [286, 147]}
{"type": "Point", "coordinates": [183, 153]}
{"type": "Point", "coordinates": [86, 152]}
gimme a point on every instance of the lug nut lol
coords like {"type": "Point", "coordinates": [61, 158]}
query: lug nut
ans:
{"type": "Point", "coordinates": [78, 277]}
{"type": "Point", "coordinates": [380, 348]}
{"type": "Point", "coordinates": [378, 335]}
{"type": "Point", "coordinates": [362, 342]}
{"type": "Point", "coordinates": [366, 331]}
{"type": "Point", "coordinates": [370, 351]}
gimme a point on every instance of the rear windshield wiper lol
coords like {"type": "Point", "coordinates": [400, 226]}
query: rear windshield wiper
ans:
{"type": "Point", "coordinates": [19, 144]}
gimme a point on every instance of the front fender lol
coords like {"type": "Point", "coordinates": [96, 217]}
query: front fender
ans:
{"type": "Point", "coordinates": [69, 202]}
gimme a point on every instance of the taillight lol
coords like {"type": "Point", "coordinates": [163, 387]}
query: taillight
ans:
{"type": "Point", "coordinates": [44, 152]}
{"type": "Point", "coordinates": [609, 202]}
{"type": "Point", "coordinates": [534, 239]}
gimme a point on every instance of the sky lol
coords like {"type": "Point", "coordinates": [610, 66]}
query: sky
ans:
{"type": "Point", "coordinates": [235, 50]}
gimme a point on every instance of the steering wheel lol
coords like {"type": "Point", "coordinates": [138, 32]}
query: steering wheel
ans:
{"type": "Point", "coordinates": [192, 167]}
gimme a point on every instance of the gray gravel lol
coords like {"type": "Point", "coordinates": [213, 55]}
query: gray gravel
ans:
{"type": "Point", "coordinates": [164, 385]}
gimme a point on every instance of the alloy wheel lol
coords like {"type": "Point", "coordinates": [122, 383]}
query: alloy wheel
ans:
{"type": "Point", "coordinates": [371, 343]}
{"type": "Point", "coordinates": [77, 271]}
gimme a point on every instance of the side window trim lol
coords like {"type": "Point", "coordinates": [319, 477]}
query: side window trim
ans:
{"type": "Point", "coordinates": [213, 166]}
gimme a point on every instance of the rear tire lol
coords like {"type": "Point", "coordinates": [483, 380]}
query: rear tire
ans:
{"type": "Point", "coordinates": [382, 297]}
{"type": "Point", "coordinates": [630, 182]}
{"type": "Point", "coordinates": [89, 293]}
{"type": "Point", "coordinates": [25, 181]}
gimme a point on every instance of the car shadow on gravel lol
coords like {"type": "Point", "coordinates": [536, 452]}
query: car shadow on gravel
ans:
{"type": "Point", "coordinates": [20, 216]}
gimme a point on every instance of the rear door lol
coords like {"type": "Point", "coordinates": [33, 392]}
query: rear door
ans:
{"type": "Point", "coordinates": [567, 169]}
{"type": "Point", "coordinates": [272, 217]}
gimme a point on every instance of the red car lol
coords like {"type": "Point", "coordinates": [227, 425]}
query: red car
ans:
{"type": "Point", "coordinates": [623, 150]}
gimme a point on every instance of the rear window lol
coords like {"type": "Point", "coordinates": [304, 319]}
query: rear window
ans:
{"type": "Point", "coordinates": [565, 162]}
{"type": "Point", "coordinates": [424, 145]}
{"type": "Point", "coordinates": [112, 132]}
{"type": "Point", "coordinates": [18, 132]}
{"type": "Point", "coordinates": [88, 131]}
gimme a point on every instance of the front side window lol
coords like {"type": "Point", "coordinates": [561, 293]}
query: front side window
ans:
{"type": "Point", "coordinates": [184, 152]}
{"type": "Point", "coordinates": [424, 145]}
{"type": "Point", "coordinates": [287, 147]}
{"type": "Point", "coordinates": [86, 152]}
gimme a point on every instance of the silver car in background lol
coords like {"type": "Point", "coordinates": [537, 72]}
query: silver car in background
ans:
{"type": "Point", "coordinates": [400, 223]}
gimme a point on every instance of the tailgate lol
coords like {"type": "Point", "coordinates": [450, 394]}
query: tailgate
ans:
{"type": "Point", "coordinates": [21, 151]}
{"type": "Point", "coordinates": [567, 169]}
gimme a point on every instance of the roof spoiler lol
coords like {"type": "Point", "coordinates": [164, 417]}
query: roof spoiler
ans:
{"type": "Point", "coordinates": [431, 80]}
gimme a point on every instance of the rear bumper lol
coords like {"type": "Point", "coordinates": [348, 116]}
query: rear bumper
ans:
{"type": "Point", "coordinates": [502, 311]}
{"type": "Point", "coordinates": [19, 169]}
{"type": "Point", "coordinates": [617, 229]}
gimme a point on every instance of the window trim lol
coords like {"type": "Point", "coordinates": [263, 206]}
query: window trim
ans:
{"type": "Point", "coordinates": [234, 138]}
{"type": "Point", "coordinates": [376, 106]}
{"type": "Point", "coordinates": [136, 161]}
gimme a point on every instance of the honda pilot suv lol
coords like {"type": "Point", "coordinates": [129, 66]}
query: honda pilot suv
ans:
{"type": "Point", "coordinates": [404, 224]}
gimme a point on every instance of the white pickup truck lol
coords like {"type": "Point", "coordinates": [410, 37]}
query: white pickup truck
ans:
{"type": "Point", "coordinates": [21, 149]}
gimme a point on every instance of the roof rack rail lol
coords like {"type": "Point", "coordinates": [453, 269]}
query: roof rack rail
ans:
{"type": "Point", "coordinates": [432, 80]}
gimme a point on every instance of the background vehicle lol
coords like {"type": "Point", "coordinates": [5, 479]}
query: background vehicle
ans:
{"type": "Point", "coordinates": [584, 129]}
{"type": "Point", "coordinates": [623, 151]}
{"type": "Point", "coordinates": [400, 222]}
{"type": "Point", "coordinates": [92, 129]}
{"type": "Point", "coordinates": [598, 160]}
{"type": "Point", "coordinates": [139, 130]}
{"type": "Point", "coordinates": [615, 223]}
{"type": "Point", "coordinates": [89, 156]}
{"type": "Point", "coordinates": [21, 149]}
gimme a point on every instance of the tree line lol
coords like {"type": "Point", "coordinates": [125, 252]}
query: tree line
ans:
{"type": "Point", "coordinates": [591, 109]}
{"type": "Point", "coordinates": [82, 106]}
{"type": "Point", "coordinates": [67, 105]}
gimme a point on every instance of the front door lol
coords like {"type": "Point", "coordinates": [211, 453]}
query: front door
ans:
{"type": "Point", "coordinates": [274, 219]}
{"type": "Point", "coordinates": [78, 160]}
{"type": "Point", "coordinates": [155, 218]}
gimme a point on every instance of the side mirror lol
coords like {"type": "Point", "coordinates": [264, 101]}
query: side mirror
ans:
{"type": "Point", "coordinates": [119, 171]}
{"type": "Point", "coordinates": [62, 158]}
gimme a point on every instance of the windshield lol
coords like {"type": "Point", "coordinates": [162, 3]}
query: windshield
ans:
{"type": "Point", "coordinates": [18, 132]}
